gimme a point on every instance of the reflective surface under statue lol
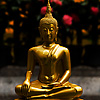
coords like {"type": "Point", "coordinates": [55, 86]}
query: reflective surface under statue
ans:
{"type": "Point", "coordinates": [55, 67]}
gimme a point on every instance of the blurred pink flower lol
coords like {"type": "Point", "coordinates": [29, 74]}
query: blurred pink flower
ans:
{"type": "Point", "coordinates": [67, 20]}
{"type": "Point", "coordinates": [58, 2]}
{"type": "Point", "coordinates": [75, 17]}
{"type": "Point", "coordinates": [51, 0]}
{"type": "Point", "coordinates": [43, 10]}
{"type": "Point", "coordinates": [95, 10]}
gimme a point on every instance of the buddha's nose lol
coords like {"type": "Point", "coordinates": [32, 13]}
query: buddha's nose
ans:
{"type": "Point", "coordinates": [48, 32]}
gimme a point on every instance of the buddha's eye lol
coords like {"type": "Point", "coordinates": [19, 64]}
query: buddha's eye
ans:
{"type": "Point", "coordinates": [51, 29]}
{"type": "Point", "coordinates": [45, 29]}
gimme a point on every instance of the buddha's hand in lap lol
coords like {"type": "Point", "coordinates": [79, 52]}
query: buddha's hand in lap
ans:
{"type": "Point", "coordinates": [51, 85]}
{"type": "Point", "coordinates": [55, 84]}
{"type": "Point", "coordinates": [25, 87]}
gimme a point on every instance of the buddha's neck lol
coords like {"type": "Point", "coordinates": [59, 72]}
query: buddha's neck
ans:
{"type": "Point", "coordinates": [45, 44]}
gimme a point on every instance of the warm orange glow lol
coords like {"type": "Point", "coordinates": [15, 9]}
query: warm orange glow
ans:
{"type": "Point", "coordinates": [99, 26]}
{"type": "Point", "coordinates": [21, 23]}
{"type": "Point", "coordinates": [78, 1]}
{"type": "Point", "coordinates": [3, 3]}
{"type": "Point", "coordinates": [20, 9]}
{"type": "Point", "coordinates": [6, 13]}
{"type": "Point", "coordinates": [84, 32]}
{"type": "Point", "coordinates": [9, 30]}
{"type": "Point", "coordinates": [11, 22]}
{"type": "Point", "coordinates": [22, 15]}
{"type": "Point", "coordinates": [26, 12]}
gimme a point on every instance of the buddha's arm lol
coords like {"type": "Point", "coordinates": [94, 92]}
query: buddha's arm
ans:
{"type": "Point", "coordinates": [67, 69]}
{"type": "Point", "coordinates": [30, 66]}
{"type": "Point", "coordinates": [67, 66]}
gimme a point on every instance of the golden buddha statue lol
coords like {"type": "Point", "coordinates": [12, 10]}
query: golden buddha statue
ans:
{"type": "Point", "coordinates": [55, 66]}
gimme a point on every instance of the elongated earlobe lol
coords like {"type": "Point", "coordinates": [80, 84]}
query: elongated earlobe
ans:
{"type": "Point", "coordinates": [40, 33]}
{"type": "Point", "coordinates": [57, 29]}
{"type": "Point", "coordinates": [56, 36]}
{"type": "Point", "coordinates": [55, 39]}
{"type": "Point", "coordinates": [41, 37]}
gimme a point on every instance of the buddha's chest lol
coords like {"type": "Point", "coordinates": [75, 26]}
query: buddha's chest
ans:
{"type": "Point", "coordinates": [48, 56]}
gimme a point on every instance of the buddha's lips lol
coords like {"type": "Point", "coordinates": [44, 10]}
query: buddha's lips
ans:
{"type": "Point", "coordinates": [49, 36]}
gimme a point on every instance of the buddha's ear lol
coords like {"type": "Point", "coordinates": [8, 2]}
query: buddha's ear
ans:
{"type": "Point", "coordinates": [40, 32]}
{"type": "Point", "coordinates": [57, 30]}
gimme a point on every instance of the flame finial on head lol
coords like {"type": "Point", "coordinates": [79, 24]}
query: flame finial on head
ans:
{"type": "Point", "coordinates": [48, 17]}
{"type": "Point", "coordinates": [48, 11]}
{"type": "Point", "coordinates": [48, 1]}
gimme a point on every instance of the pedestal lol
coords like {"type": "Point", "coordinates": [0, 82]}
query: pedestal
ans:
{"type": "Point", "coordinates": [51, 99]}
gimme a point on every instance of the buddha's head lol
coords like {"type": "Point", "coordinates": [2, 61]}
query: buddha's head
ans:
{"type": "Point", "coordinates": [48, 26]}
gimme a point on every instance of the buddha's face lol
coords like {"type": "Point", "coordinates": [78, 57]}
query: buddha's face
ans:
{"type": "Point", "coordinates": [48, 32]}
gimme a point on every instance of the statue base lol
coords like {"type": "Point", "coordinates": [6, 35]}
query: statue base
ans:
{"type": "Point", "coordinates": [50, 99]}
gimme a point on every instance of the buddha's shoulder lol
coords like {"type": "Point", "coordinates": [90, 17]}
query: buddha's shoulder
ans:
{"type": "Point", "coordinates": [35, 48]}
{"type": "Point", "coordinates": [63, 49]}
